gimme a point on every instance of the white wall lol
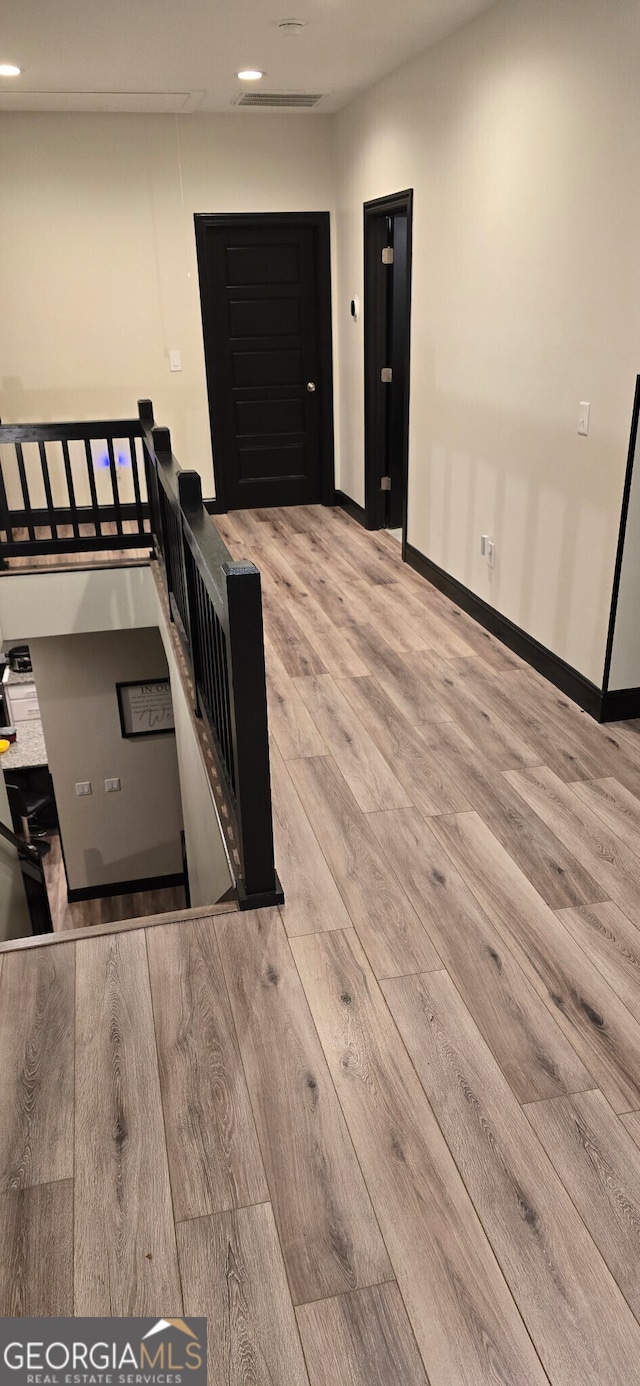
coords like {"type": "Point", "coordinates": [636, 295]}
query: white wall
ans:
{"type": "Point", "coordinates": [135, 833]}
{"type": "Point", "coordinates": [520, 135]}
{"type": "Point", "coordinates": [98, 275]}
{"type": "Point", "coordinates": [76, 601]}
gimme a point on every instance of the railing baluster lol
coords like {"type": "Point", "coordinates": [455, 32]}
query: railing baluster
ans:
{"type": "Point", "coordinates": [151, 482]}
{"type": "Point", "coordinates": [25, 490]}
{"type": "Point", "coordinates": [5, 518]}
{"type": "Point", "coordinates": [218, 689]}
{"type": "Point", "coordinates": [205, 634]}
{"type": "Point", "coordinates": [215, 695]}
{"type": "Point", "coordinates": [114, 485]}
{"type": "Point", "coordinates": [225, 710]}
{"type": "Point", "coordinates": [70, 488]}
{"type": "Point", "coordinates": [136, 484]}
{"type": "Point", "coordinates": [166, 541]}
{"type": "Point", "coordinates": [194, 626]}
{"type": "Point", "coordinates": [42, 448]}
{"type": "Point", "coordinates": [97, 524]}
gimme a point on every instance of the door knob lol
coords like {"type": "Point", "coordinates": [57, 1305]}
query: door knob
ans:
{"type": "Point", "coordinates": [311, 386]}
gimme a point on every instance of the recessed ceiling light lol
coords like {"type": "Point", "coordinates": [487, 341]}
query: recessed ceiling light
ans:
{"type": "Point", "coordinates": [8, 70]}
{"type": "Point", "coordinates": [250, 74]}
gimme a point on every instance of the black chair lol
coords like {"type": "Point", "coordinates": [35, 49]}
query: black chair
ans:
{"type": "Point", "coordinates": [24, 808]}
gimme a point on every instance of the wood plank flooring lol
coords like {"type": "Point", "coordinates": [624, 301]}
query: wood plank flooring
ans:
{"type": "Point", "coordinates": [361, 1339]}
{"type": "Point", "coordinates": [36, 1072]}
{"type": "Point", "coordinates": [390, 1132]}
{"type": "Point", "coordinates": [328, 1232]}
{"type": "Point", "coordinates": [125, 1246]}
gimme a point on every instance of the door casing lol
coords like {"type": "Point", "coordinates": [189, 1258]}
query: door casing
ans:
{"type": "Point", "coordinates": [320, 221]}
{"type": "Point", "coordinates": [376, 343]}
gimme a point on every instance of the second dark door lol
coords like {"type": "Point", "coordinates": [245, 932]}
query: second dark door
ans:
{"type": "Point", "coordinates": [265, 291]}
{"type": "Point", "coordinates": [387, 250]}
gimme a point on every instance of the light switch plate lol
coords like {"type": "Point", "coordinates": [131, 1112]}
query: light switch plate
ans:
{"type": "Point", "coordinates": [583, 419]}
{"type": "Point", "coordinates": [175, 361]}
{"type": "Point", "coordinates": [112, 786]}
{"type": "Point", "coordinates": [84, 787]}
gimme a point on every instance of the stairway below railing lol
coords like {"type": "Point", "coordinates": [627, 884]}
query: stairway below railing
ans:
{"type": "Point", "coordinates": [59, 481]}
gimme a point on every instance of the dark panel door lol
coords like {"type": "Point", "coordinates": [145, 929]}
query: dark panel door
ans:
{"type": "Point", "coordinates": [268, 361]}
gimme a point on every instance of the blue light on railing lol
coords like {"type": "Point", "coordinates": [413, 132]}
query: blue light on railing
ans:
{"type": "Point", "coordinates": [122, 460]}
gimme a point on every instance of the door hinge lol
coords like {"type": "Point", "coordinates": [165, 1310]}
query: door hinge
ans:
{"type": "Point", "coordinates": [386, 375]}
{"type": "Point", "coordinates": [385, 483]}
{"type": "Point", "coordinates": [387, 255]}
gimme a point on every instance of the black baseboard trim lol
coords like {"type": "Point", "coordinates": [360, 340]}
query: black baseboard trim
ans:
{"type": "Point", "coordinates": [125, 887]}
{"type": "Point", "coordinates": [620, 704]}
{"type": "Point", "coordinates": [357, 512]}
{"type": "Point", "coordinates": [213, 507]}
{"type": "Point", "coordinates": [562, 675]}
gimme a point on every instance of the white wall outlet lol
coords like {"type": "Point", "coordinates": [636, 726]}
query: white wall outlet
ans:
{"type": "Point", "coordinates": [175, 361]}
{"type": "Point", "coordinates": [84, 787]}
{"type": "Point", "coordinates": [583, 417]}
{"type": "Point", "coordinates": [491, 553]}
{"type": "Point", "coordinates": [112, 786]}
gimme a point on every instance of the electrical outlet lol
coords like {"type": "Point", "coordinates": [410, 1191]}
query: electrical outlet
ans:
{"type": "Point", "coordinates": [112, 786]}
{"type": "Point", "coordinates": [84, 787]}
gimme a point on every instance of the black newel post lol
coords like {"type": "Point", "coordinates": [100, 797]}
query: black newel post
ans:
{"type": "Point", "coordinates": [259, 884]}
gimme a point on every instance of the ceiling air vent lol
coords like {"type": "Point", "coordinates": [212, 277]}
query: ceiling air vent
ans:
{"type": "Point", "coordinates": [284, 99]}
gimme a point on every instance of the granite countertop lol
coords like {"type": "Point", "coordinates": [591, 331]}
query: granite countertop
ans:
{"type": "Point", "coordinates": [11, 677]}
{"type": "Point", "coordinates": [29, 751]}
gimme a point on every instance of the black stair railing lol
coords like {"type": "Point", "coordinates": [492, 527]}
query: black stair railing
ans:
{"type": "Point", "coordinates": [216, 605]}
{"type": "Point", "coordinates": [74, 487]}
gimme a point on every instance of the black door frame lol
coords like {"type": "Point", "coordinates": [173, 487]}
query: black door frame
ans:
{"type": "Point", "coordinates": [374, 349]}
{"type": "Point", "coordinates": [320, 222]}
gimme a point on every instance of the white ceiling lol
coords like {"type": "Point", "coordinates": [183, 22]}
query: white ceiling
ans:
{"type": "Point", "coordinates": [182, 55]}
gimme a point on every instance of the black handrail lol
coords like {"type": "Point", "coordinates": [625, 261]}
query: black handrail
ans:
{"type": "Point", "coordinates": [216, 605]}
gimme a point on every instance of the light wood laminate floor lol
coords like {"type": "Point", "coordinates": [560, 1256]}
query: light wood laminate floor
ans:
{"type": "Point", "coordinates": [386, 1135]}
